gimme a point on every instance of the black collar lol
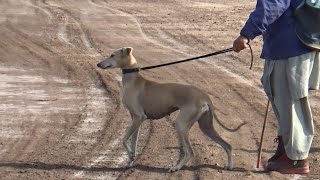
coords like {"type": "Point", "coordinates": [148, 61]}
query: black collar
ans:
{"type": "Point", "coordinates": [125, 71]}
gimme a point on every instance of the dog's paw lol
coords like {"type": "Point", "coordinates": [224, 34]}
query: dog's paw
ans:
{"type": "Point", "coordinates": [127, 167]}
{"type": "Point", "coordinates": [130, 164]}
{"type": "Point", "coordinates": [131, 161]}
{"type": "Point", "coordinates": [173, 169]}
{"type": "Point", "coordinates": [227, 168]}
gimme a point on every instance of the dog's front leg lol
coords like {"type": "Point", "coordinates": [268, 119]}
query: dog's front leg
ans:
{"type": "Point", "coordinates": [134, 142]}
{"type": "Point", "coordinates": [132, 130]}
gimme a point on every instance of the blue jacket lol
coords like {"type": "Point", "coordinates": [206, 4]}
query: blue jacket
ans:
{"type": "Point", "coordinates": [274, 19]}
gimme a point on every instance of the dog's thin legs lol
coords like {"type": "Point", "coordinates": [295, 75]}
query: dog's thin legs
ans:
{"type": "Point", "coordinates": [134, 128]}
{"type": "Point", "coordinates": [188, 152]}
{"type": "Point", "coordinates": [206, 125]}
{"type": "Point", "coordinates": [183, 124]}
{"type": "Point", "coordinates": [134, 142]}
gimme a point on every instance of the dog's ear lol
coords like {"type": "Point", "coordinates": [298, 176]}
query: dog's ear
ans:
{"type": "Point", "coordinates": [128, 50]}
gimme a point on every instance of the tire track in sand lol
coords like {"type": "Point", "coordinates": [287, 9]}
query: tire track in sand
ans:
{"type": "Point", "coordinates": [92, 122]}
{"type": "Point", "coordinates": [96, 104]}
{"type": "Point", "coordinates": [68, 19]}
{"type": "Point", "coordinates": [45, 11]}
{"type": "Point", "coordinates": [24, 93]}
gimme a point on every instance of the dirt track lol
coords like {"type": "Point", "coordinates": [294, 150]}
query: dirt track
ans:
{"type": "Point", "coordinates": [62, 118]}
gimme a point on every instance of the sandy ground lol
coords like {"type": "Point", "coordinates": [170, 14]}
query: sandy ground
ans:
{"type": "Point", "coordinates": [62, 118]}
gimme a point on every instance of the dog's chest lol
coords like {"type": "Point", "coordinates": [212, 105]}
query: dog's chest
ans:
{"type": "Point", "coordinates": [130, 97]}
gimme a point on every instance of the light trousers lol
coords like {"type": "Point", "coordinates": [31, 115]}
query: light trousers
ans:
{"type": "Point", "coordinates": [286, 83]}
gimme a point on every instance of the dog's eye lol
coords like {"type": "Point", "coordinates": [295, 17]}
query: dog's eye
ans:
{"type": "Point", "coordinates": [112, 55]}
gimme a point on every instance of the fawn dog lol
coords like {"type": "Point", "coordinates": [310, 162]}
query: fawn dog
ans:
{"type": "Point", "coordinates": [146, 99]}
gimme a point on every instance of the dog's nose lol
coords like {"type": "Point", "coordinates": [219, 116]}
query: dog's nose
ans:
{"type": "Point", "coordinates": [103, 65]}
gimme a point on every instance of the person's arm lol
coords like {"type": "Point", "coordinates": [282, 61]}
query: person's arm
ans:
{"type": "Point", "coordinates": [266, 12]}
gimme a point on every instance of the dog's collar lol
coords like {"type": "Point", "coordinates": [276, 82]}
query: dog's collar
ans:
{"type": "Point", "coordinates": [125, 71]}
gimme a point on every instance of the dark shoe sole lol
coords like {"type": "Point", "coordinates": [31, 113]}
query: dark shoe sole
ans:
{"type": "Point", "coordinates": [303, 170]}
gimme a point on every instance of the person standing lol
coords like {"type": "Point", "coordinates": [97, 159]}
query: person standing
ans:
{"type": "Point", "coordinates": [291, 69]}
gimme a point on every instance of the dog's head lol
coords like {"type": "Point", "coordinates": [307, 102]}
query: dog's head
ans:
{"type": "Point", "coordinates": [121, 58]}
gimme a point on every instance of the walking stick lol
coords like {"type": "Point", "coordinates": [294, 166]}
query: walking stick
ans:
{"type": "Point", "coordinates": [262, 133]}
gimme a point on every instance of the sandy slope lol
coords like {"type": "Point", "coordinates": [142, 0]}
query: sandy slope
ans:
{"type": "Point", "coordinates": [62, 118]}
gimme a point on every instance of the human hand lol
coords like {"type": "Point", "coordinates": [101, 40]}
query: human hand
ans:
{"type": "Point", "coordinates": [240, 43]}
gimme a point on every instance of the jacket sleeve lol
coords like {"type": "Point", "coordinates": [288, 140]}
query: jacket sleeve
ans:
{"type": "Point", "coordinates": [266, 12]}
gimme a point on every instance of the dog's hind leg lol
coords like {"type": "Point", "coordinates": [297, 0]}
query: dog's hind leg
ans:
{"type": "Point", "coordinates": [184, 121]}
{"type": "Point", "coordinates": [206, 125]}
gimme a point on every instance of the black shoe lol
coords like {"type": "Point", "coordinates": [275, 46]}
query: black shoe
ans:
{"type": "Point", "coordinates": [280, 149]}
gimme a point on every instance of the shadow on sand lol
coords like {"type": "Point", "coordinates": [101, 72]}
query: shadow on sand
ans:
{"type": "Point", "coordinates": [49, 167]}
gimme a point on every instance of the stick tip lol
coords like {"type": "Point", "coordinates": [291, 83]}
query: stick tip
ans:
{"type": "Point", "coordinates": [259, 163]}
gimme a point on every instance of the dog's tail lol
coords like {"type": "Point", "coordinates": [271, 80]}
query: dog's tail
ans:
{"type": "Point", "coordinates": [213, 116]}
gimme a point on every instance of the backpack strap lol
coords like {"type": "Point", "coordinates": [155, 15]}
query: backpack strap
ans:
{"type": "Point", "coordinates": [307, 15]}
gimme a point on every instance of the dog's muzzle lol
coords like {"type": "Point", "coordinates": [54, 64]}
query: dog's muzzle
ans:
{"type": "Point", "coordinates": [101, 66]}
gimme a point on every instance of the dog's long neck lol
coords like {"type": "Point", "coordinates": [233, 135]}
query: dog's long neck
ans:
{"type": "Point", "coordinates": [127, 78]}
